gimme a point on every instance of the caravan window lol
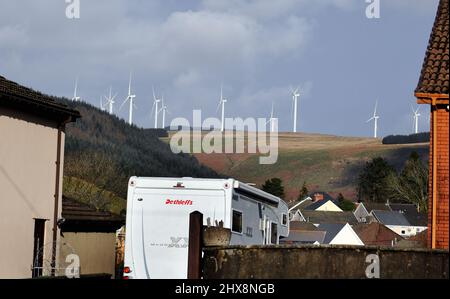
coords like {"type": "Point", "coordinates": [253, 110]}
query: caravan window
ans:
{"type": "Point", "coordinates": [274, 235]}
{"type": "Point", "coordinates": [237, 222]}
{"type": "Point", "coordinates": [284, 219]}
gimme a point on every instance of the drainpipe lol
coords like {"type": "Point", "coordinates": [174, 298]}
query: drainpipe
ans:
{"type": "Point", "coordinates": [61, 127]}
{"type": "Point", "coordinates": [434, 171]}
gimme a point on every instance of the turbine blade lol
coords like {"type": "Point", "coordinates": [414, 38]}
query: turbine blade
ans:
{"type": "Point", "coordinates": [129, 85]}
{"type": "Point", "coordinates": [370, 119]}
{"type": "Point", "coordinates": [126, 100]}
{"type": "Point", "coordinates": [218, 106]}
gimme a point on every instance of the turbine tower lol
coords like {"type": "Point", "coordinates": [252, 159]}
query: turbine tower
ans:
{"type": "Point", "coordinates": [76, 98]}
{"type": "Point", "coordinates": [222, 103]}
{"type": "Point", "coordinates": [155, 107]}
{"type": "Point", "coordinates": [110, 100]}
{"type": "Point", "coordinates": [375, 118]}
{"type": "Point", "coordinates": [271, 121]}
{"type": "Point", "coordinates": [130, 98]}
{"type": "Point", "coordinates": [164, 110]}
{"type": "Point", "coordinates": [295, 96]}
{"type": "Point", "coordinates": [416, 119]}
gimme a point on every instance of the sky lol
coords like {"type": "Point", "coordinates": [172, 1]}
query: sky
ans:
{"type": "Point", "coordinates": [343, 61]}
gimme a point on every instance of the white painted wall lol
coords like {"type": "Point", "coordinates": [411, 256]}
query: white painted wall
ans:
{"type": "Point", "coordinates": [346, 236]}
{"type": "Point", "coordinates": [27, 187]}
{"type": "Point", "coordinates": [406, 231]}
{"type": "Point", "coordinates": [329, 206]}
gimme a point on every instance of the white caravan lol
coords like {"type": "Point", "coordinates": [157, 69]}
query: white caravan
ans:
{"type": "Point", "coordinates": [157, 224]}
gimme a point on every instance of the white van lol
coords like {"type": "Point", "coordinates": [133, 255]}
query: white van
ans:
{"type": "Point", "coordinates": [157, 223]}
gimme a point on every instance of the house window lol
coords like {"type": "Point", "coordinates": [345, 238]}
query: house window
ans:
{"type": "Point", "coordinates": [274, 233]}
{"type": "Point", "coordinates": [284, 219]}
{"type": "Point", "coordinates": [237, 222]}
{"type": "Point", "coordinates": [403, 232]}
{"type": "Point", "coordinates": [38, 246]}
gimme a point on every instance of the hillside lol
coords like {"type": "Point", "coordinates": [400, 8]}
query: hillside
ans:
{"type": "Point", "coordinates": [327, 163]}
{"type": "Point", "coordinates": [102, 152]}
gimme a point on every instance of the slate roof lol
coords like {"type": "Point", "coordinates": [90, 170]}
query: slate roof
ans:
{"type": "Point", "coordinates": [80, 217]}
{"type": "Point", "coordinates": [370, 206]}
{"type": "Point", "coordinates": [410, 212]}
{"type": "Point", "coordinates": [390, 217]}
{"type": "Point", "coordinates": [329, 217]}
{"type": "Point", "coordinates": [318, 204]}
{"type": "Point", "coordinates": [376, 234]}
{"type": "Point", "coordinates": [434, 76]}
{"type": "Point", "coordinates": [331, 229]}
{"type": "Point", "coordinates": [15, 96]}
{"type": "Point", "coordinates": [301, 226]}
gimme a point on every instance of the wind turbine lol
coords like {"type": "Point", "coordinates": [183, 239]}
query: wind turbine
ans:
{"type": "Point", "coordinates": [416, 119]}
{"type": "Point", "coordinates": [110, 100]}
{"type": "Point", "coordinates": [375, 118]}
{"type": "Point", "coordinates": [295, 96]}
{"type": "Point", "coordinates": [271, 121]}
{"type": "Point", "coordinates": [164, 110]}
{"type": "Point", "coordinates": [155, 107]}
{"type": "Point", "coordinates": [222, 103]}
{"type": "Point", "coordinates": [130, 97]}
{"type": "Point", "coordinates": [75, 97]}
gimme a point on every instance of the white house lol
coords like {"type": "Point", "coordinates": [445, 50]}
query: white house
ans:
{"type": "Point", "coordinates": [398, 222]}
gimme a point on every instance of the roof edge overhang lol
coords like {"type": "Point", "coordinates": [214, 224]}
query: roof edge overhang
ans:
{"type": "Point", "coordinates": [432, 98]}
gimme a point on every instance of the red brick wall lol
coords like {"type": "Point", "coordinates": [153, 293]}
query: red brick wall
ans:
{"type": "Point", "coordinates": [442, 181]}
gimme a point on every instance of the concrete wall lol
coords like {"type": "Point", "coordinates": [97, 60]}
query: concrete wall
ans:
{"type": "Point", "coordinates": [97, 251]}
{"type": "Point", "coordinates": [27, 187]}
{"type": "Point", "coordinates": [270, 262]}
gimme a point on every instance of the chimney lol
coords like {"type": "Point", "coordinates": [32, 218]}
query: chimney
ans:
{"type": "Point", "coordinates": [317, 196]}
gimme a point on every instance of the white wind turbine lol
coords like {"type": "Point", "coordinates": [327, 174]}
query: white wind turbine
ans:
{"type": "Point", "coordinates": [295, 96]}
{"type": "Point", "coordinates": [155, 107]}
{"type": "Point", "coordinates": [110, 100]}
{"type": "Point", "coordinates": [222, 103]}
{"type": "Point", "coordinates": [375, 118]}
{"type": "Point", "coordinates": [164, 111]}
{"type": "Point", "coordinates": [271, 121]}
{"type": "Point", "coordinates": [416, 119]}
{"type": "Point", "coordinates": [76, 98]}
{"type": "Point", "coordinates": [130, 97]}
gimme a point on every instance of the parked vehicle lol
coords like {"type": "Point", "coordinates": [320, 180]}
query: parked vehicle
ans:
{"type": "Point", "coordinates": [157, 223]}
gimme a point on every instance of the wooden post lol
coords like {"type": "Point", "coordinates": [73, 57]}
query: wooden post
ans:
{"type": "Point", "coordinates": [195, 245]}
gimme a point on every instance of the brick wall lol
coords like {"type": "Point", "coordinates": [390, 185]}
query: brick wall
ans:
{"type": "Point", "coordinates": [442, 180]}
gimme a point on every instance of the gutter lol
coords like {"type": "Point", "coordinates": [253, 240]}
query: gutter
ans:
{"type": "Point", "coordinates": [434, 170]}
{"type": "Point", "coordinates": [61, 127]}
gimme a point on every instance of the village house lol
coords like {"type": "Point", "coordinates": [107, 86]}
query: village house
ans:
{"type": "Point", "coordinates": [340, 234]}
{"type": "Point", "coordinates": [31, 169]}
{"type": "Point", "coordinates": [376, 234]}
{"type": "Point", "coordinates": [432, 89]}
{"type": "Point", "coordinates": [397, 222]}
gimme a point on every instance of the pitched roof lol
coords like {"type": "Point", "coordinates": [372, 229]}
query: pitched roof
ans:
{"type": "Point", "coordinates": [376, 234]}
{"type": "Point", "coordinates": [301, 226]}
{"type": "Point", "coordinates": [318, 204]}
{"type": "Point", "coordinates": [370, 206]}
{"type": "Point", "coordinates": [332, 229]}
{"type": "Point", "coordinates": [329, 217]}
{"type": "Point", "coordinates": [434, 76]}
{"type": "Point", "coordinates": [305, 237]}
{"type": "Point", "coordinates": [390, 217]}
{"type": "Point", "coordinates": [19, 97]}
{"type": "Point", "coordinates": [80, 217]}
{"type": "Point", "coordinates": [410, 212]}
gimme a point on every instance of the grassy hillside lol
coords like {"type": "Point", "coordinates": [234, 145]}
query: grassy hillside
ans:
{"type": "Point", "coordinates": [325, 162]}
{"type": "Point", "coordinates": [102, 152]}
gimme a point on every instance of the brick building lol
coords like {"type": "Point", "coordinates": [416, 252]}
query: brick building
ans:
{"type": "Point", "coordinates": [432, 90]}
